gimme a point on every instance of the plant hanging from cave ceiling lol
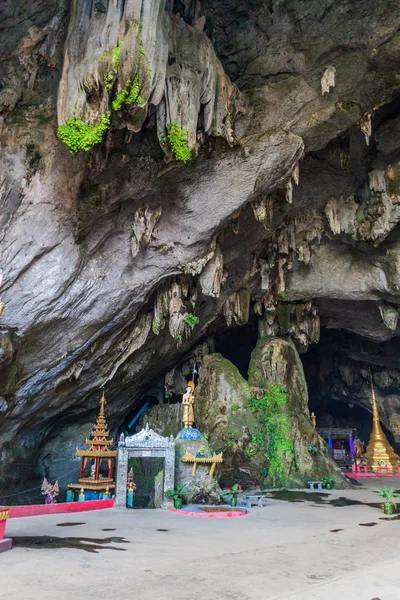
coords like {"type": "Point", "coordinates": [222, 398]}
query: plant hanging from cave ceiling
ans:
{"type": "Point", "coordinates": [272, 437]}
{"type": "Point", "coordinates": [78, 135]}
{"type": "Point", "coordinates": [178, 141]}
{"type": "Point", "coordinates": [191, 320]}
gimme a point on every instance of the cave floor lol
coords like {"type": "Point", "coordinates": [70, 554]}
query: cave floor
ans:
{"type": "Point", "coordinates": [286, 550]}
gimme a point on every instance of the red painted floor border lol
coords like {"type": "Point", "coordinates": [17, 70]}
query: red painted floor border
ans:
{"type": "Point", "coordinates": [36, 510]}
{"type": "Point", "coordinates": [352, 475]}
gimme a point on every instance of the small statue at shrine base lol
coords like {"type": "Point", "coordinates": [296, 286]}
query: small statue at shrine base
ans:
{"type": "Point", "coordinates": [188, 432]}
{"type": "Point", "coordinates": [50, 492]}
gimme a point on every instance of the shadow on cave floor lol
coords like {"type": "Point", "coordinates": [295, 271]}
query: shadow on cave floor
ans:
{"type": "Point", "coordinates": [92, 545]}
{"type": "Point", "coordinates": [319, 498]}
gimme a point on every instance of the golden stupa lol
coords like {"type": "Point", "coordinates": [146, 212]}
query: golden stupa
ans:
{"type": "Point", "coordinates": [379, 452]}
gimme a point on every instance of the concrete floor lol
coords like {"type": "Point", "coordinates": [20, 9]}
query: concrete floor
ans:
{"type": "Point", "coordinates": [283, 551]}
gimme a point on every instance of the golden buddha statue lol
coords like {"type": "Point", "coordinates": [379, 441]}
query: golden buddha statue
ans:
{"type": "Point", "coordinates": [188, 409]}
{"type": "Point", "coordinates": [313, 419]}
{"type": "Point", "coordinates": [379, 452]}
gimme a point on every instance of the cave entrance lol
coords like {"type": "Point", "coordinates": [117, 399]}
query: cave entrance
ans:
{"type": "Point", "coordinates": [339, 394]}
{"type": "Point", "coordinates": [237, 343]}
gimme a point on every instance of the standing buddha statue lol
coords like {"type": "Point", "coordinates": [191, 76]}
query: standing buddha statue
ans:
{"type": "Point", "coordinates": [188, 408]}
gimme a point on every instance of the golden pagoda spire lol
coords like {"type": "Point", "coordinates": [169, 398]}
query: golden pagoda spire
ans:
{"type": "Point", "coordinates": [379, 452]}
{"type": "Point", "coordinates": [103, 401]}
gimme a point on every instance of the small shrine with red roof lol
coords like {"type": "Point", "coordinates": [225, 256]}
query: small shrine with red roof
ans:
{"type": "Point", "coordinates": [97, 451]}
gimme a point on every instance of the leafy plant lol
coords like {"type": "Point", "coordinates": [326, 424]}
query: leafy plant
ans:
{"type": "Point", "coordinates": [327, 482]}
{"type": "Point", "coordinates": [168, 394]}
{"type": "Point", "coordinates": [311, 448]}
{"type": "Point", "coordinates": [232, 494]}
{"type": "Point", "coordinates": [156, 325]}
{"type": "Point", "coordinates": [178, 141]}
{"type": "Point", "coordinates": [109, 77]}
{"type": "Point", "coordinates": [78, 135]}
{"type": "Point", "coordinates": [249, 451]}
{"type": "Point", "coordinates": [272, 436]}
{"type": "Point", "coordinates": [235, 407]}
{"type": "Point", "coordinates": [129, 95]}
{"type": "Point", "coordinates": [178, 494]}
{"type": "Point", "coordinates": [388, 494]}
{"type": "Point", "coordinates": [231, 438]}
{"type": "Point", "coordinates": [178, 337]}
{"type": "Point", "coordinates": [191, 320]}
{"type": "Point", "coordinates": [206, 436]}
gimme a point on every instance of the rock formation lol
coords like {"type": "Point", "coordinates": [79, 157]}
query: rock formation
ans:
{"type": "Point", "coordinates": [237, 162]}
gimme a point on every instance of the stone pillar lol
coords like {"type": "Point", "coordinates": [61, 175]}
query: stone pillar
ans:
{"type": "Point", "coordinates": [169, 471]}
{"type": "Point", "coordinates": [351, 444]}
{"type": "Point", "coordinates": [122, 476]}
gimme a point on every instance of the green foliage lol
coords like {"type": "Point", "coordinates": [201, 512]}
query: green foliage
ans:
{"type": "Point", "coordinates": [191, 320]}
{"type": "Point", "coordinates": [272, 436]}
{"type": "Point", "coordinates": [156, 325]}
{"type": "Point", "coordinates": [235, 407]}
{"type": "Point", "coordinates": [250, 451]}
{"type": "Point", "coordinates": [129, 95]}
{"type": "Point", "coordinates": [232, 493]}
{"type": "Point", "coordinates": [78, 135]}
{"type": "Point", "coordinates": [328, 481]}
{"type": "Point", "coordinates": [178, 338]}
{"type": "Point", "coordinates": [206, 436]}
{"type": "Point", "coordinates": [388, 494]}
{"type": "Point", "coordinates": [168, 394]}
{"type": "Point", "coordinates": [231, 438]}
{"type": "Point", "coordinates": [140, 25]}
{"type": "Point", "coordinates": [109, 77]}
{"type": "Point", "coordinates": [178, 141]}
{"type": "Point", "coordinates": [178, 493]}
{"type": "Point", "coordinates": [311, 448]}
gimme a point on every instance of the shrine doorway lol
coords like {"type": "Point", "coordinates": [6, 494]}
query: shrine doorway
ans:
{"type": "Point", "coordinates": [145, 445]}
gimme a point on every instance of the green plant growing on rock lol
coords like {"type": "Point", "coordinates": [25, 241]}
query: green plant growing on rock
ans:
{"type": "Point", "coordinates": [178, 141]}
{"type": "Point", "coordinates": [272, 436]}
{"type": "Point", "coordinates": [129, 95]}
{"type": "Point", "coordinates": [191, 320]}
{"type": "Point", "coordinates": [109, 77]}
{"type": "Point", "coordinates": [250, 451]}
{"type": "Point", "coordinates": [235, 406]}
{"type": "Point", "coordinates": [77, 135]}
{"type": "Point", "coordinates": [311, 448]}
{"type": "Point", "coordinates": [156, 326]}
{"type": "Point", "coordinates": [231, 438]}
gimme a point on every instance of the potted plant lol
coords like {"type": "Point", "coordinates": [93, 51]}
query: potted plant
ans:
{"type": "Point", "coordinates": [388, 495]}
{"type": "Point", "coordinates": [327, 482]}
{"type": "Point", "coordinates": [232, 494]}
{"type": "Point", "coordinates": [178, 495]}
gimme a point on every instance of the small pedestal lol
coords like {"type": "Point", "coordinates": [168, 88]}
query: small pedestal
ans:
{"type": "Point", "coordinates": [196, 475]}
{"type": "Point", "coordinates": [5, 543]}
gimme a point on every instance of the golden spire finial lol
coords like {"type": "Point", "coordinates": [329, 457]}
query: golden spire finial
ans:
{"type": "Point", "coordinates": [375, 412]}
{"type": "Point", "coordinates": [103, 401]}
